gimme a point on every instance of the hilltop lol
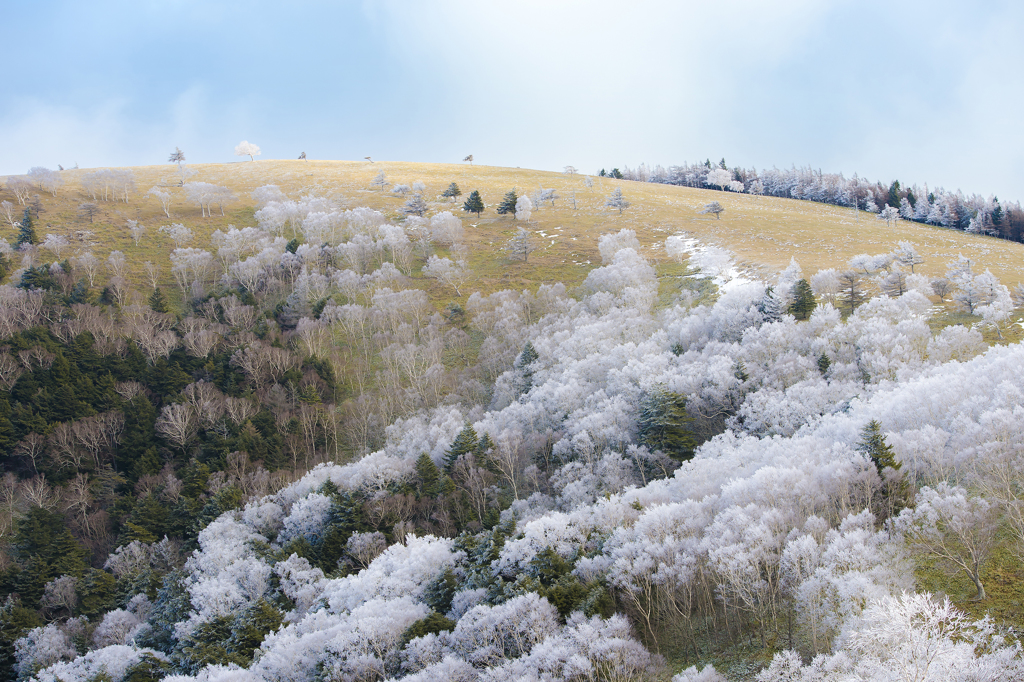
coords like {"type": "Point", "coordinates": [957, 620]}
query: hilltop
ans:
{"type": "Point", "coordinates": [763, 233]}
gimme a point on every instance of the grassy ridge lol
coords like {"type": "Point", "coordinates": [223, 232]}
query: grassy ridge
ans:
{"type": "Point", "coordinates": [762, 232]}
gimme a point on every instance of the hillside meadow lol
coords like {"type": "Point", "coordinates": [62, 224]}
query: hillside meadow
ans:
{"type": "Point", "coordinates": [763, 233]}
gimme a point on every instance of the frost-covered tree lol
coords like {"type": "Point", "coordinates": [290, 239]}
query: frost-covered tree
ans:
{"type": "Point", "coordinates": [524, 208]}
{"type": "Point", "coordinates": [521, 245]}
{"type": "Point", "coordinates": [163, 197]}
{"type": "Point", "coordinates": [889, 214]}
{"type": "Point", "coordinates": [720, 177]}
{"type": "Point", "coordinates": [714, 208]}
{"type": "Point", "coordinates": [949, 525]}
{"type": "Point", "coordinates": [616, 200]}
{"type": "Point", "coordinates": [246, 148]}
{"type": "Point", "coordinates": [454, 274]}
{"type": "Point", "coordinates": [415, 205]}
{"type": "Point", "coordinates": [380, 180]}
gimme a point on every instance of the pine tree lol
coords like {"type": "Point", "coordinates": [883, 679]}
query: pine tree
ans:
{"type": "Point", "coordinates": [771, 306]}
{"type": "Point", "coordinates": [474, 204]}
{"type": "Point", "coordinates": [894, 491]}
{"type": "Point", "coordinates": [664, 424]}
{"type": "Point", "coordinates": [464, 443]}
{"type": "Point", "coordinates": [157, 301]}
{"type": "Point", "coordinates": [508, 204]}
{"type": "Point", "coordinates": [428, 476]}
{"type": "Point", "coordinates": [26, 231]}
{"type": "Point", "coordinates": [803, 300]}
{"type": "Point", "coordinates": [452, 192]}
{"type": "Point", "coordinates": [524, 364]}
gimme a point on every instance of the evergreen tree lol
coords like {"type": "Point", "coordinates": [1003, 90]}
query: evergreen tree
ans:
{"type": "Point", "coordinates": [429, 477]}
{"type": "Point", "coordinates": [524, 363]}
{"type": "Point", "coordinates": [894, 491]}
{"type": "Point", "coordinates": [616, 173]}
{"type": "Point", "coordinates": [157, 301]}
{"type": "Point", "coordinates": [474, 204]}
{"type": "Point", "coordinates": [26, 231]}
{"type": "Point", "coordinates": [464, 443]}
{"type": "Point", "coordinates": [803, 300]}
{"type": "Point", "coordinates": [664, 424]}
{"type": "Point", "coordinates": [508, 204]}
{"type": "Point", "coordinates": [771, 306]}
{"type": "Point", "coordinates": [452, 192]}
{"type": "Point", "coordinates": [894, 193]}
{"type": "Point", "coordinates": [997, 213]}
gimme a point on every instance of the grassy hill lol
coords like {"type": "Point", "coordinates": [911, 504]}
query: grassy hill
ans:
{"type": "Point", "coordinates": [762, 232]}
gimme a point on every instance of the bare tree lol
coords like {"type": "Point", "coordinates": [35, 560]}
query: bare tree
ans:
{"type": "Point", "coordinates": [89, 264]}
{"type": "Point", "coordinates": [89, 210]}
{"type": "Point", "coordinates": [178, 423]}
{"type": "Point", "coordinates": [117, 264]}
{"type": "Point", "coordinates": [7, 210]}
{"type": "Point", "coordinates": [32, 447]}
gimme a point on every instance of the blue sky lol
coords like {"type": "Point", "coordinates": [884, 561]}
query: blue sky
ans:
{"type": "Point", "coordinates": [920, 91]}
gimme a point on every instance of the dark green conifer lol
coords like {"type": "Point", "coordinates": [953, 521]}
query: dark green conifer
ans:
{"type": "Point", "coordinates": [474, 204]}
{"type": "Point", "coordinates": [508, 204]}
{"type": "Point", "coordinates": [157, 301]}
{"type": "Point", "coordinates": [803, 300]}
{"type": "Point", "coordinates": [665, 425]}
{"type": "Point", "coordinates": [26, 231]}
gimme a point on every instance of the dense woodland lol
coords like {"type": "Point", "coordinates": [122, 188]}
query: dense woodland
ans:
{"type": "Point", "coordinates": [306, 471]}
{"type": "Point", "coordinates": [954, 210]}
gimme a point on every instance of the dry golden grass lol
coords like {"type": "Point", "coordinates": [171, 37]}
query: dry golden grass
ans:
{"type": "Point", "coordinates": [763, 232]}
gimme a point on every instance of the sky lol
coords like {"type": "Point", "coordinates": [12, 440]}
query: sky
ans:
{"type": "Point", "coordinates": [924, 92]}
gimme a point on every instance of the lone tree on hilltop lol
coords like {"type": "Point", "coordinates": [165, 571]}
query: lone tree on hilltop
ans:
{"type": "Point", "coordinates": [714, 207]}
{"type": "Point", "coordinates": [474, 204]}
{"type": "Point", "coordinates": [616, 200]}
{"type": "Point", "coordinates": [508, 204]}
{"type": "Point", "coordinates": [246, 148]}
{"type": "Point", "coordinates": [452, 192]}
{"type": "Point", "coordinates": [469, 158]}
{"type": "Point", "coordinates": [177, 156]}
{"type": "Point", "coordinates": [380, 180]}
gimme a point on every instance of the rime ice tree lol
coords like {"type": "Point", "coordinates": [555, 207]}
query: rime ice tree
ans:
{"type": "Point", "coordinates": [246, 148]}
{"type": "Point", "coordinates": [453, 274]}
{"type": "Point", "coordinates": [957, 529]}
{"type": "Point", "coordinates": [889, 215]}
{"type": "Point", "coordinates": [720, 177]}
{"type": "Point", "coordinates": [616, 200]}
{"type": "Point", "coordinates": [380, 181]}
{"type": "Point", "coordinates": [163, 197]}
{"type": "Point", "coordinates": [524, 208]}
{"type": "Point", "coordinates": [474, 204]}
{"type": "Point", "coordinates": [713, 208]}
{"type": "Point", "coordinates": [520, 246]}
{"type": "Point", "coordinates": [415, 205]}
